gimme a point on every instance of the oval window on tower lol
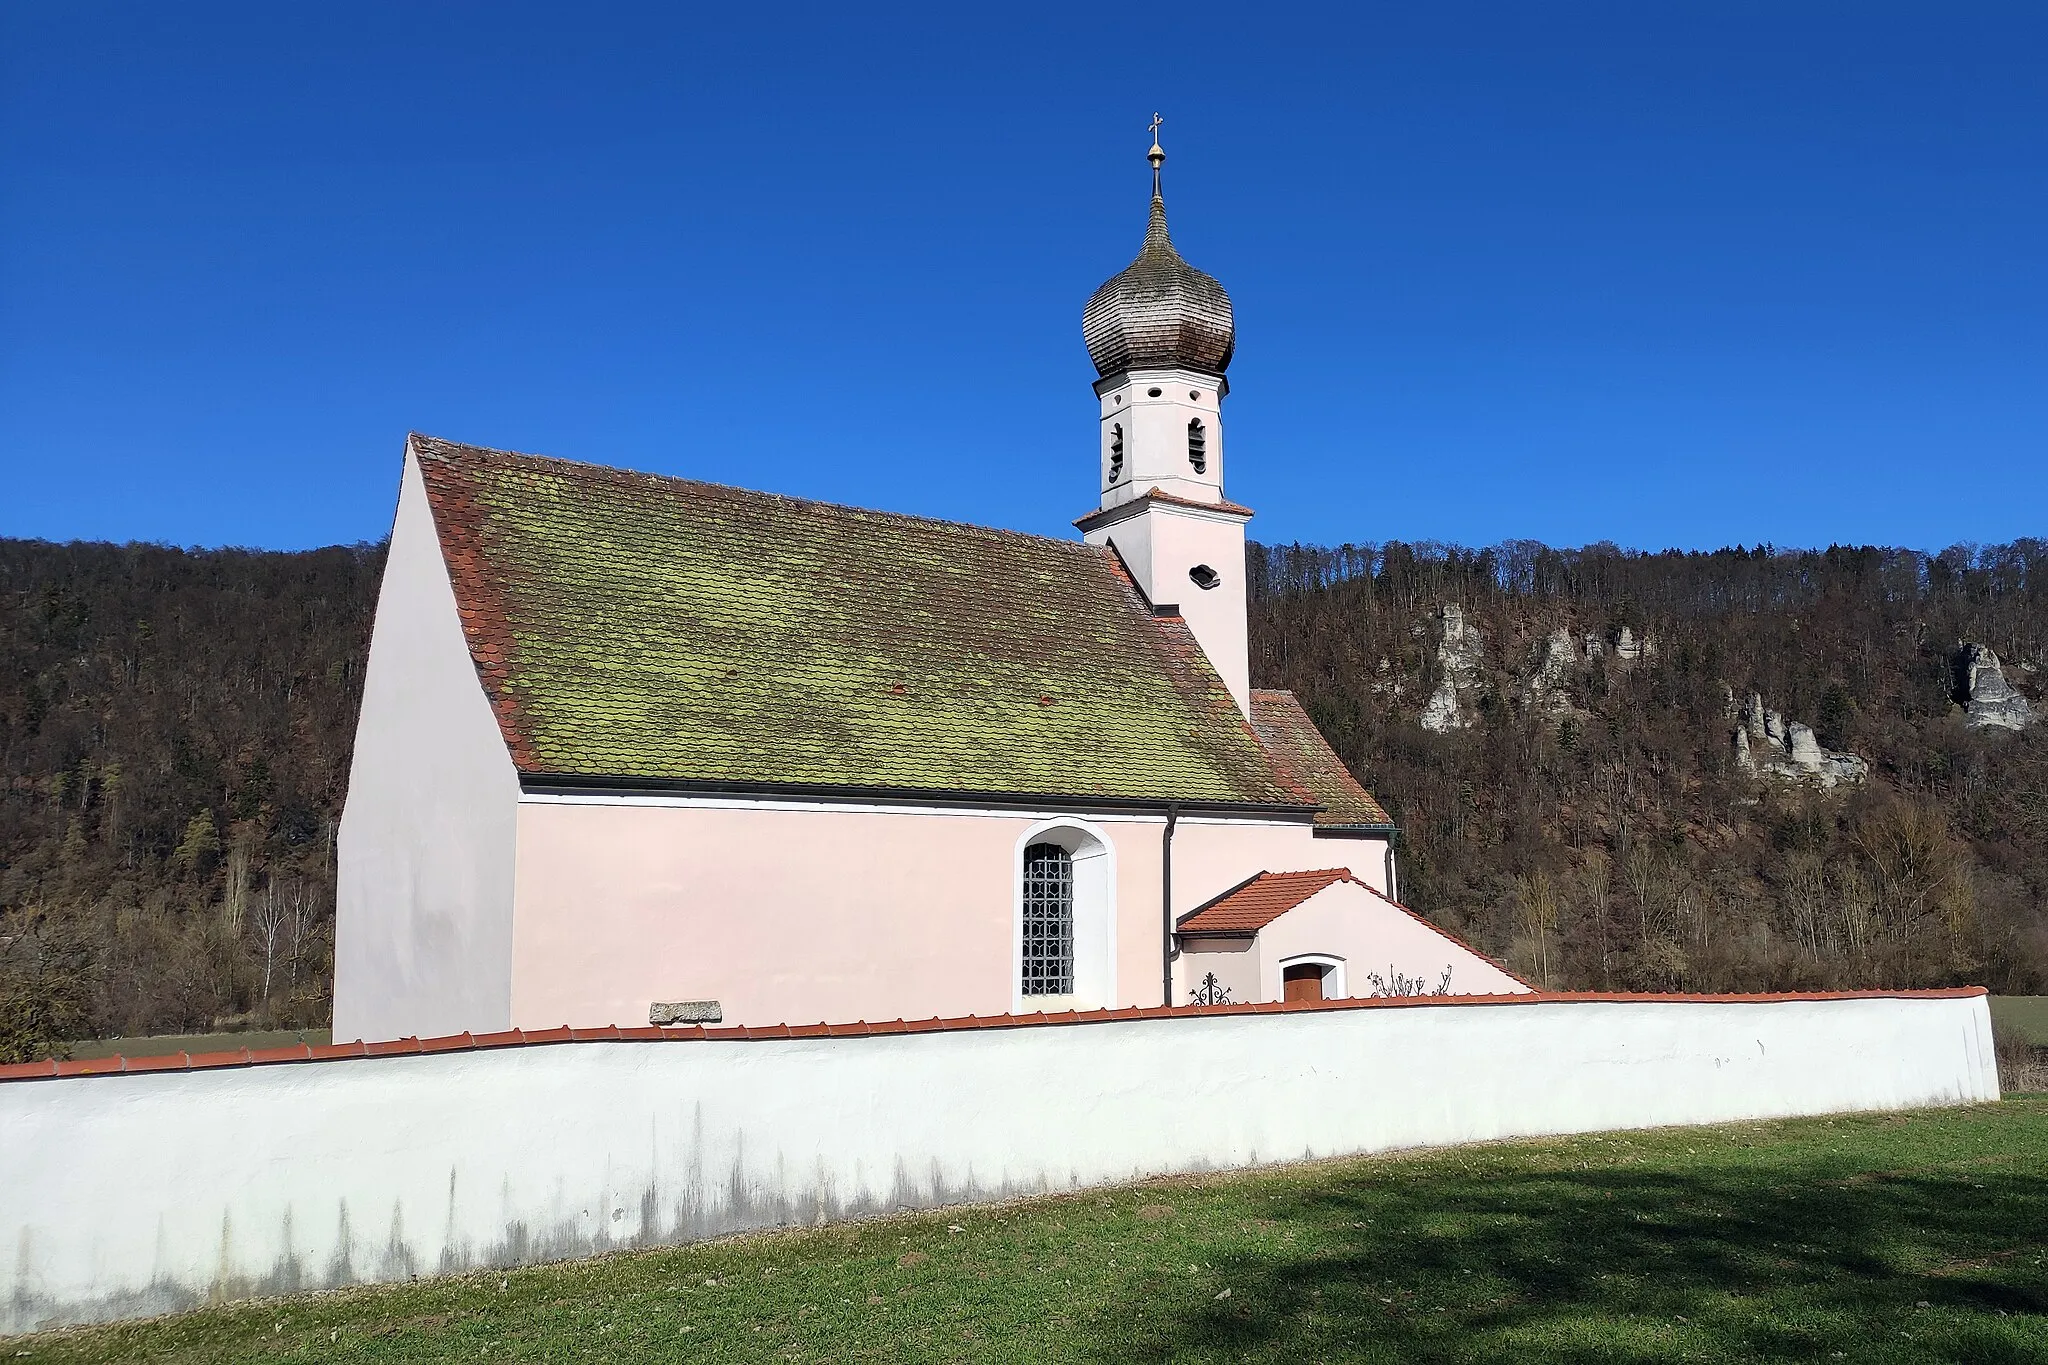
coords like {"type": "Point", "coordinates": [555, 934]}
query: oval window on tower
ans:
{"type": "Point", "coordinates": [1198, 446]}
{"type": "Point", "coordinates": [1204, 577]}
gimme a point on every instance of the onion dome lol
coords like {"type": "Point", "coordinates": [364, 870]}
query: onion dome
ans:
{"type": "Point", "coordinates": [1160, 312]}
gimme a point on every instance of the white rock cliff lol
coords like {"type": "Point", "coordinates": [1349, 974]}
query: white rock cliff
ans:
{"type": "Point", "coordinates": [1988, 699]}
{"type": "Point", "coordinates": [1458, 656]}
{"type": "Point", "coordinates": [1791, 751]}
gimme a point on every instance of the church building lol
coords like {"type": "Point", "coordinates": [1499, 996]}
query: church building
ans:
{"type": "Point", "coordinates": [640, 749]}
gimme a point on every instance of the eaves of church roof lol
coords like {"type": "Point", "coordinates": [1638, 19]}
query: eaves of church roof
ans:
{"type": "Point", "coordinates": [634, 627]}
{"type": "Point", "coordinates": [1294, 742]}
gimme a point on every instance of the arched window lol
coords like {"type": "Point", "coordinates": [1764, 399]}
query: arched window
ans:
{"type": "Point", "coordinates": [1116, 451]}
{"type": "Point", "coordinates": [1048, 967]}
{"type": "Point", "coordinates": [1198, 446]}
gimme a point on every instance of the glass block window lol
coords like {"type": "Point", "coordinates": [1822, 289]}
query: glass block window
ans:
{"type": "Point", "coordinates": [1048, 920]}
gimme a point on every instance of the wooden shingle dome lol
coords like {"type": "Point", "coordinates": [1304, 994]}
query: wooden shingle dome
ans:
{"type": "Point", "coordinates": [1159, 312]}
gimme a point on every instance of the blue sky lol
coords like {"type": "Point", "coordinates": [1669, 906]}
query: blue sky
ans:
{"type": "Point", "coordinates": [1658, 274]}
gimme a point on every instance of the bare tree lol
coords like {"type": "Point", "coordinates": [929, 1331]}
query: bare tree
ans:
{"type": "Point", "coordinates": [1806, 896]}
{"type": "Point", "coordinates": [1538, 900]}
{"type": "Point", "coordinates": [1599, 874]}
{"type": "Point", "coordinates": [302, 913]}
{"type": "Point", "coordinates": [268, 924]}
{"type": "Point", "coordinates": [1646, 874]}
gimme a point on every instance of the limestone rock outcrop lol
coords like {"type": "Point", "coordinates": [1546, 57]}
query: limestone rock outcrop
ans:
{"type": "Point", "coordinates": [1459, 656]}
{"type": "Point", "coordinates": [1987, 698]}
{"type": "Point", "coordinates": [1768, 745]}
{"type": "Point", "coordinates": [1548, 690]}
{"type": "Point", "coordinates": [1548, 685]}
{"type": "Point", "coordinates": [1386, 681]}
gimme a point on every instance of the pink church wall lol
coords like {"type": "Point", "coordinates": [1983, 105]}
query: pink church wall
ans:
{"type": "Point", "coordinates": [781, 916]}
{"type": "Point", "coordinates": [1210, 858]}
{"type": "Point", "coordinates": [796, 914]}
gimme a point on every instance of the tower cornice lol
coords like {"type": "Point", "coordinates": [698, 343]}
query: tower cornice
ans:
{"type": "Point", "coordinates": [1178, 373]}
{"type": "Point", "coordinates": [1151, 498]}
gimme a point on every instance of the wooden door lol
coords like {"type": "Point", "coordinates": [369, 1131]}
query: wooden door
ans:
{"type": "Point", "coordinates": [1303, 981]}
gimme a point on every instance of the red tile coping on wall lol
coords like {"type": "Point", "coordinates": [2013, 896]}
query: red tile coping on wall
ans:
{"type": "Point", "coordinates": [483, 1042]}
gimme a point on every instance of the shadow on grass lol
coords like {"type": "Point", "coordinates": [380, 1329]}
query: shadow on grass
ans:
{"type": "Point", "coordinates": [1614, 1265]}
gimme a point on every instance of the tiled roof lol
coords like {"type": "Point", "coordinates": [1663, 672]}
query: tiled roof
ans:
{"type": "Point", "coordinates": [49, 1069]}
{"type": "Point", "coordinates": [635, 627]}
{"type": "Point", "coordinates": [1252, 905]}
{"type": "Point", "coordinates": [1256, 902]}
{"type": "Point", "coordinates": [1295, 743]}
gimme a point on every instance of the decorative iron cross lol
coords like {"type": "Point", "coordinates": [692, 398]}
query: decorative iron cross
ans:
{"type": "Point", "coordinates": [1154, 127]}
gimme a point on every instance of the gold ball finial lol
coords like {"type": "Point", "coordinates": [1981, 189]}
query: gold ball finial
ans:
{"type": "Point", "coordinates": [1157, 156]}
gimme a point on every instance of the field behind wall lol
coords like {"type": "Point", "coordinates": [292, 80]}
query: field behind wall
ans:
{"type": "Point", "coordinates": [1912, 1237]}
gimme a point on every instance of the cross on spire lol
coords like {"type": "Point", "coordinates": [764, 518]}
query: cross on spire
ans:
{"type": "Point", "coordinates": [1157, 156]}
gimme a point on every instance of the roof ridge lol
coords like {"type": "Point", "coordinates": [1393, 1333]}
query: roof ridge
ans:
{"type": "Point", "coordinates": [760, 493]}
{"type": "Point", "coordinates": [1251, 887]}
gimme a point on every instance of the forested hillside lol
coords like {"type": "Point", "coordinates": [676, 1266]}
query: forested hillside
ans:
{"type": "Point", "coordinates": [174, 740]}
{"type": "Point", "coordinates": [175, 727]}
{"type": "Point", "coordinates": [1592, 820]}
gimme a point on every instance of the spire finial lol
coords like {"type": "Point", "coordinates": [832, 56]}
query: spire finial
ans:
{"type": "Point", "coordinates": [1157, 156]}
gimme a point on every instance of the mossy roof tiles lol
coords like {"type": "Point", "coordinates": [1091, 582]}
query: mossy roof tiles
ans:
{"type": "Point", "coordinates": [633, 627]}
{"type": "Point", "coordinates": [1294, 742]}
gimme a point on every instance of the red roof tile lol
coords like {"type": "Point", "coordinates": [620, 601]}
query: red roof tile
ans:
{"type": "Point", "coordinates": [210, 1061]}
{"type": "Point", "coordinates": [1294, 742]}
{"type": "Point", "coordinates": [1252, 905]}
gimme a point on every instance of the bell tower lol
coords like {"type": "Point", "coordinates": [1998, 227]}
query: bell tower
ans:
{"type": "Point", "coordinates": [1161, 335]}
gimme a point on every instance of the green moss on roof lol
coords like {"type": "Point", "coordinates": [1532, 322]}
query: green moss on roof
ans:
{"type": "Point", "coordinates": [631, 626]}
{"type": "Point", "coordinates": [1298, 747]}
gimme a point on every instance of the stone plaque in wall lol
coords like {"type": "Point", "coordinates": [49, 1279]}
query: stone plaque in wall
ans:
{"type": "Point", "coordinates": [665, 1012]}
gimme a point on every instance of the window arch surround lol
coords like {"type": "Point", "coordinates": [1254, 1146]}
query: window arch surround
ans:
{"type": "Point", "coordinates": [1088, 869]}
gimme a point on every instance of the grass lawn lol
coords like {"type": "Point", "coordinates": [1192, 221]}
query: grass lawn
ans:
{"type": "Point", "coordinates": [2024, 1017]}
{"type": "Point", "coordinates": [164, 1044]}
{"type": "Point", "coordinates": [1920, 1237]}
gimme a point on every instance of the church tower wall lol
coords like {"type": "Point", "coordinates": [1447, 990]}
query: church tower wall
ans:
{"type": "Point", "coordinates": [1188, 556]}
{"type": "Point", "coordinates": [1161, 334]}
{"type": "Point", "coordinates": [1162, 429]}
